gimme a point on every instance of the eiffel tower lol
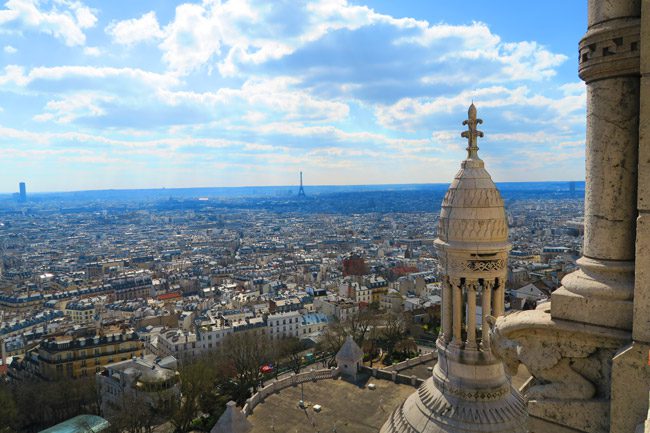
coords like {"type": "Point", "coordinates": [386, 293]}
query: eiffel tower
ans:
{"type": "Point", "coordinates": [301, 191]}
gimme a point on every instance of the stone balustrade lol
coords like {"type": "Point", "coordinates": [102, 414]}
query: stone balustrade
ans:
{"type": "Point", "coordinates": [293, 380]}
{"type": "Point", "coordinates": [413, 361]}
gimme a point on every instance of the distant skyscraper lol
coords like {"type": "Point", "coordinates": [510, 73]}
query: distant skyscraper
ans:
{"type": "Point", "coordinates": [301, 191]}
{"type": "Point", "coordinates": [23, 191]}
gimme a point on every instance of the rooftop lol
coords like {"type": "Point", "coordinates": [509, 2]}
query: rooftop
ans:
{"type": "Point", "coordinates": [80, 424]}
{"type": "Point", "coordinates": [360, 410]}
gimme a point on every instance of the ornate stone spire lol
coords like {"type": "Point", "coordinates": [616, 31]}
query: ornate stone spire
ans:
{"type": "Point", "coordinates": [472, 133]}
{"type": "Point", "coordinates": [469, 390]}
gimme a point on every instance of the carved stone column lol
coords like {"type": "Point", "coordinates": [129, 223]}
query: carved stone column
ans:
{"type": "Point", "coordinates": [487, 311]}
{"type": "Point", "coordinates": [601, 292]}
{"type": "Point", "coordinates": [457, 309]}
{"type": "Point", "coordinates": [630, 372]}
{"type": "Point", "coordinates": [499, 299]}
{"type": "Point", "coordinates": [471, 316]}
{"type": "Point", "coordinates": [587, 376]}
{"type": "Point", "coordinates": [446, 310]}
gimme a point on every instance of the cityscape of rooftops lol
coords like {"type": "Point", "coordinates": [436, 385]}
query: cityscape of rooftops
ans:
{"type": "Point", "coordinates": [211, 209]}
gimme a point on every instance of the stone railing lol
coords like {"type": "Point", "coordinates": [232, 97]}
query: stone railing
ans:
{"type": "Point", "coordinates": [413, 361]}
{"type": "Point", "coordinates": [393, 376]}
{"type": "Point", "coordinates": [392, 372]}
{"type": "Point", "coordinates": [293, 380]}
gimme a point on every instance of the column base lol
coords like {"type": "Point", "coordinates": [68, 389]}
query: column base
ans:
{"type": "Point", "coordinates": [578, 308]}
{"type": "Point", "coordinates": [600, 293]}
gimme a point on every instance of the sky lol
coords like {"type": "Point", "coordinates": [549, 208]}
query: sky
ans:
{"type": "Point", "coordinates": [150, 94]}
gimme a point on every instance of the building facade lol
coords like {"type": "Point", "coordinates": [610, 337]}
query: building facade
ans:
{"type": "Point", "coordinates": [80, 356]}
{"type": "Point", "coordinates": [143, 380]}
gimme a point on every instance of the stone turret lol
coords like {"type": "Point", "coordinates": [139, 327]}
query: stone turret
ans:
{"type": "Point", "coordinates": [349, 358]}
{"type": "Point", "coordinates": [469, 390]}
{"type": "Point", "coordinates": [232, 421]}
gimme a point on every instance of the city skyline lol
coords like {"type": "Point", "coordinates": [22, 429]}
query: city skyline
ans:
{"type": "Point", "coordinates": [164, 94]}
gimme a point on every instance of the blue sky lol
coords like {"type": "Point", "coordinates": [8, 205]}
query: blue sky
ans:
{"type": "Point", "coordinates": [148, 94]}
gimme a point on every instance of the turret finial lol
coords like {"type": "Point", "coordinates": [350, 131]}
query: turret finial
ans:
{"type": "Point", "coordinates": [472, 133]}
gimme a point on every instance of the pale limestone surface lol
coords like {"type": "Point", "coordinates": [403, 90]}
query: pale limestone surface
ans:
{"type": "Point", "coordinates": [350, 408]}
{"type": "Point", "coordinates": [349, 358]}
{"type": "Point", "coordinates": [469, 390]}
{"type": "Point", "coordinates": [609, 296]}
{"type": "Point", "coordinates": [645, 426]}
{"type": "Point", "coordinates": [232, 421]}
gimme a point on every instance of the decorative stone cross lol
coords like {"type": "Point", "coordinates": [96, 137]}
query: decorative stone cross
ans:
{"type": "Point", "coordinates": [472, 133]}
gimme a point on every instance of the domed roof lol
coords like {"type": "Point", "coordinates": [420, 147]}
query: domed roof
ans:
{"type": "Point", "coordinates": [472, 210]}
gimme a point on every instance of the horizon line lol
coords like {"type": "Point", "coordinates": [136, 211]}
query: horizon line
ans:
{"type": "Point", "coordinates": [266, 186]}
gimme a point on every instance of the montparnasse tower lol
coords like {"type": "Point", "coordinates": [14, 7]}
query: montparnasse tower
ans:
{"type": "Point", "coordinates": [469, 390]}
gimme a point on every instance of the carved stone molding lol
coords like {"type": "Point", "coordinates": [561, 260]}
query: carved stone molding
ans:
{"type": "Point", "coordinates": [485, 265]}
{"type": "Point", "coordinates": [472, 198]}
{"type": "Point", "coordinates": [610, 50]}
{"type": "Point", "coordinates": [468, 394]}
{"type": "Point", "coordinates": [570, 362]}
{"type": "Point", "coordinates": [473, 230]}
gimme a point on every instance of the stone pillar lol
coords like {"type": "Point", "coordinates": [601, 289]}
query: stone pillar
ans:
{"type": "Point", "coordinates": [601, 292]}
{"type": "Point", "coordinates": [471, 316]}
{"type": "Point", "coordinates": [487, 310]}
{"type": "Point", "coordinates": [457, 312]}
{"type": "Point", "coordinates": [641, 329]}
{"type": "Point", "coordinates": [499, 298]}
{"type": "Point", "coordinates": [630, 372]}
{"type": "Point", "coordinates": [446, 310]}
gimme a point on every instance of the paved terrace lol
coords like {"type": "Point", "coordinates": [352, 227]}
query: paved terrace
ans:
{"type": "Point", "coordinates": [348, 408]}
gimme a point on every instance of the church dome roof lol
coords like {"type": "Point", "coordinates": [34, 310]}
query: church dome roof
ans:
{"type": "Point", "coordinates": [472, 210]}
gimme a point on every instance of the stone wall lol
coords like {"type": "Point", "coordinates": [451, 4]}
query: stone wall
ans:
{"type": "Point", "coordinates": [413, 362]}
{"type": "Point", "coordinates": [292, 380]}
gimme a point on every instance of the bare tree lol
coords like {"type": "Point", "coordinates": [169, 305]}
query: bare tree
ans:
{"type": "Point", "coordinates": [291, 348]}
{"type": "Point", "coordinates": [134, 416]}
{"type": "Point", "coordinates": [393, 331]}
{"type": "Point", "coordinates": [247, 351]}
{"type": "Point", "coordinates": [197, 379]}
{"type": "Point", "coordinates": [360, 326]}
{"type": "Point", "coordinates": [8, 410]}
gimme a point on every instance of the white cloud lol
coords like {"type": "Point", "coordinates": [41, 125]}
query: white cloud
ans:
{"type": "Point", "coordinates": [10, 50]}
{"type": "Point", "coordinates": [191, 39]}
{"type": "Point", "coordinates": [15, 75]}
{"type": "Point", "coordinates": [277, 95]}
{"type": "Point", "coordinates": [92, 51]}
{"type": "Point", "coordinates": [65, 20]}
{"type": "Point", "coordinates": [137, 30]}
{"type": "Point", "coordinates": [73, 106]}
{"type": "Point", "coordinates": [410, 113]}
